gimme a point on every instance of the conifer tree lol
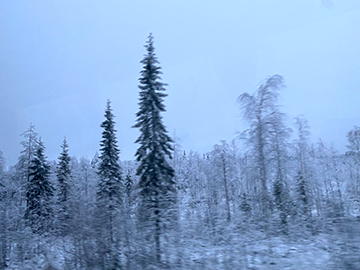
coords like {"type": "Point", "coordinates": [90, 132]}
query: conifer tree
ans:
{"type": "Point", "coordinates": [245, 206]}
{"type": "Point", "coordinates": [64, 177]}
{"type": "Point", "coordinates": [280, 200]}
{"type": "Point", "coordinates": [128, 188]}
{"type": "Point", "coordinates": [110, 187]}
{"type": "Point", "coordinates": [156, 184]}
{"type": "Point", "coordinates": [39, 193]}
{"type": "Point", "coordinates": [129, 233]}
{"type": "Point", "coordinates": [303, 173]}
{"type": "Point", "coordinates": [302, 194]}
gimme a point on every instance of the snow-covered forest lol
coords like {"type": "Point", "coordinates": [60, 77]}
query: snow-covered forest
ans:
{"type": "Point", "coordinates": [268, 199]}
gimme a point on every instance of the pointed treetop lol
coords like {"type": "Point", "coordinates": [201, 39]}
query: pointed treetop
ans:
{"type": "Point", "coordinates": [150, 44]}
{"type": "Point", "coordinates": [150, 39]}
{"type": "Point", "coordinates": [108, 105]}
{"type": "Point", "coordinates": [108, 111]}
{"type": "Point", "coordinates": [109, 148]}
{"type": "Point", "coordinates": [64, 144]}
{"type": "Point", "coordinates": [64, 157]}
{"type": "Point", "coordinates": [40, 148]}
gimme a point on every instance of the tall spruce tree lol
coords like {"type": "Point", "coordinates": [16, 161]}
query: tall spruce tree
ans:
{"type": "Point", "coordinates": [110, 190]}
{"type": "Point", "coordinates": [63, 174]}
{"type": "Point", "coordinates": [156, 184]}
{"type": "Point", "coordinates": [39, 193]}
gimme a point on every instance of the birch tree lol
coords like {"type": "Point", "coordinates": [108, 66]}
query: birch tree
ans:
{"type": "Point", "coordinates": [258, 110]}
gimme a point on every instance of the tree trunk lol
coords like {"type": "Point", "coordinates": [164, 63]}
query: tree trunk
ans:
{"type": "Point", "coordinates": [157, 237]}
{"type": "Point", "coordinates": [226, 190]}
{"type": "Point", "coordinates": [262, 171]}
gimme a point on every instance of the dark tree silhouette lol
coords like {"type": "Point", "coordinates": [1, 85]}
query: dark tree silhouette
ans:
{"type": "Point", "coordinates": [63, 174]}
{"type": "Point", "coordinates": [110, 188]}
{"type": "Point", "coordinates": [157, 187]}
{"type": "Point", "coordinates": [39, 193]}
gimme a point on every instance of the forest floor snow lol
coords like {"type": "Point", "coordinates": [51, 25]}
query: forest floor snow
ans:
{"type": "Point", "coordinates": [337, 249]}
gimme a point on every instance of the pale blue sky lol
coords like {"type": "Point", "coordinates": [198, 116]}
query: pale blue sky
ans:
{"type": "Point", "coordinates": [61, 60]}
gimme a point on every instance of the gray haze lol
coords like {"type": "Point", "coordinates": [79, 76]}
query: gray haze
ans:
{"type": "Point", "coordinates": [61, 60]}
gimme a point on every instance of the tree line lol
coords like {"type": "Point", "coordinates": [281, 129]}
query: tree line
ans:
{"type": "Point", "coordinates": [169, 209]}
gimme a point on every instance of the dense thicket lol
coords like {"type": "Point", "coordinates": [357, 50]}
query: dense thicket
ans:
{"type": "Point", "coordinates": [269, 199]}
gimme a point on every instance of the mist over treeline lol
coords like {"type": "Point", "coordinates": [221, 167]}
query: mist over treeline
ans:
{"type": "Point", "coordinates": [269, 199]}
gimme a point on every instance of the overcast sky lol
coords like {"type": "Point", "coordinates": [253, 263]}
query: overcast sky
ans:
{"type": "Point", "coordinates": [61, 60]}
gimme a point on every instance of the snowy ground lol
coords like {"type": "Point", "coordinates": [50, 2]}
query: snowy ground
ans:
{"type": "Point", "coordinates": [336, 249]}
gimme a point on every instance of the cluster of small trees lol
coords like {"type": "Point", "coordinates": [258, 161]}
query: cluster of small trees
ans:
{"type": "Point", "coordinates": [166, 208]}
